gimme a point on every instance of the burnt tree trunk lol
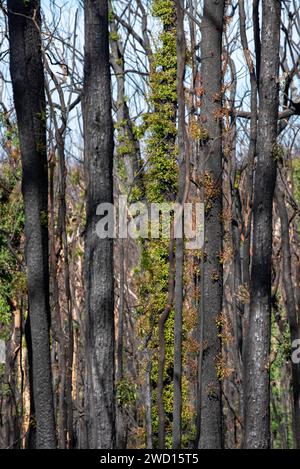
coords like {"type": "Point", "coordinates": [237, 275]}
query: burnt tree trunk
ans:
{"type": "Point", "coordinates": [210, 430]}
{"type": "Point", "coordinates": [179, 252]}
{"type": "Point", "coordinates": [291, 309]}
{"type": "Point", "coordinates": [256, 371]}
{"type": "Point", "coordinates": [162, 345]}
{"type": "Point", "coordinates": [28, 91]}
{"type": "Point", "coordinates": [99, 284]}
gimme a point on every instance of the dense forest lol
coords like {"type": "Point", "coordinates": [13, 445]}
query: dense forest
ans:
{"type": "Point", "coordinates": [150, 224]}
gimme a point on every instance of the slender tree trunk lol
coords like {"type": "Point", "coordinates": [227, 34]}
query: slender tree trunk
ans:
{"type": "Point", "coordinates": [179, 256]}
{"type": "Point", "coordinates": [10, 429]}
{"type": "Point", "coordinates": [65, 339]}
{"type": "Point", "coordinates": [98, 136]}
{"type": "Point", "coordinates": [56, 319]}
{"type": "Point", "coordinates": [256, 33]}
{"type": "Point", "coordinates": [291, 309]}
{"type": "Point", "coordinates": [211, 155]}
{"type": "Point", "coordinates": [248, 202]}
{"type": "Point", "coordinates": [169, 143]}
{"type": "Point", "coordinates": [162, 345]}
{"type": "Point", "coordinates": [68, 344]}
{"type": "Point", "coordinates": [28, 90]}
{"type": "Point", "coordinates": [256, 373]}
{"type": "Point", "coordinates": [121, 417]}
{"type": "Point", "coordinates": [132, 158]}
{"type": "Point", "coordinates": [148, 401]}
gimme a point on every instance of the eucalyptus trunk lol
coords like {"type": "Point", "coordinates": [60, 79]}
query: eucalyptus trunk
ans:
{"type": "Point", "coordinates": [256, 371]}
{"type": "Point", "coordinates": [99, 283]}
{"type": "Point", "coordinates": [28, 90]}
{"type": "Point", "coordinates": [210, 406]}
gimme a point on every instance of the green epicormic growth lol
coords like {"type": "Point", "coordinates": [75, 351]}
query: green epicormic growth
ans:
{"type": "Point", "coordinates": [160, 124]}
{"type": "Point", "coordinates": [160, 182]}
{"type": "Point", "coordinates": [296, 178]}
{"type": "Point", "coordinates": [12, 279]}
{"type": "Point", "coordinates": [12, 223]}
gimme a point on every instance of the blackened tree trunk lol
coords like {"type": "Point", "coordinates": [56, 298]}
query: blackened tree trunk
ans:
{"type": "Point", "coordinates": [28, 90]}
{"type": "Point", "coordinates": [254, 73]}
{"type": "Point", "coordinates": [98, 138]}
{"type": "Point", "coordinates": [211, 161]}
{"type": "Point", "coordinates": [256, 374]}
{"type": "Point", "coordinates": [291, 308]}
{"type": "Point", "coordinates": [162, 345]}
{"type": "Point", "coordinates": [179, 255]}
{"type": "Point", "coordinates": [148, 401]}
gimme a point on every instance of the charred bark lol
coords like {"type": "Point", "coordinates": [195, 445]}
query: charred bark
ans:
{"type": "Point", "coordinates": [210, 408]}
{"type": "Point", "coordinates": [28, 90]}
{"type": "Point", "coordinates": [99, 284]}
{"type": "Point", "coordinates": [179, 253]}
{"type": "Point", "coordinates": [256, 371]}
